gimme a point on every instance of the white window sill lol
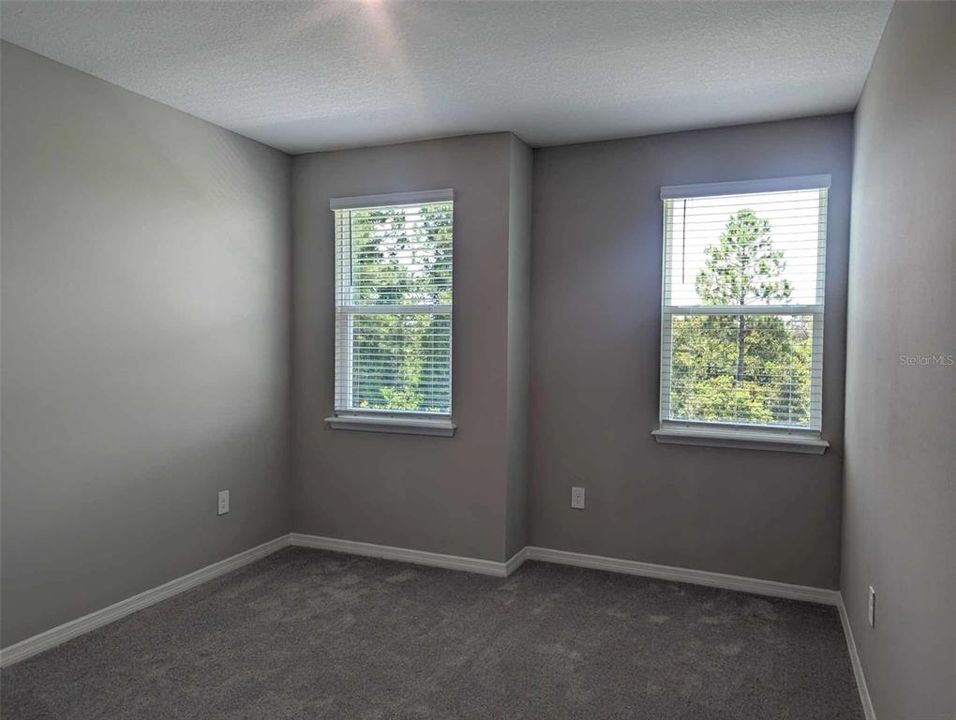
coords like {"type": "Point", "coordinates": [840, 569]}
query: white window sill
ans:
{"type": "Point", "coordinates": [742, 439]}
{"type": "Point", "coordinates": [391, 424]}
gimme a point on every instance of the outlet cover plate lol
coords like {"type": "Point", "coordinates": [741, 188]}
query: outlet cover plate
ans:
{"type": "Point", "coordinates": [577, 498]}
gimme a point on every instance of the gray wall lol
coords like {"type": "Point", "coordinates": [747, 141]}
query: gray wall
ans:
{"type": "Point", "coordinates": [519, 343]}
{"type": "Point", "coordinates": [595, 324]}
{"type": "Point", "coordinates": [900, 502]}
{"type": "Point", "coordinates": [447, 495]}
{"type": "Point", "coordinates": [176, 381]}
{"type": "Point", "coordinates": [145, 343]}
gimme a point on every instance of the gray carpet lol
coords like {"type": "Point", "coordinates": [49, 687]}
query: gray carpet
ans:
{"type": "Point", "coordinates": [310, 634]}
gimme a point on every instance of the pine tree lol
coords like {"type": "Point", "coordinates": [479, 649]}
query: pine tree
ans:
{"type": "Point", "coordinates": [742, 269]}
{"type": "Point", "coordinates": [728, 367]}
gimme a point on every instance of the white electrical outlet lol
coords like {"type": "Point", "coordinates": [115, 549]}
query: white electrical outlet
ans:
{"type": "Point", "coordinates": [577, 498]}
{"type": "Point", "coordinates": [223, 502]}
{"type": "Point", "coordinates": [871, 607]}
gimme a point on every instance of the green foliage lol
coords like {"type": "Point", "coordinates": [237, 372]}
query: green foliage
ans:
{"type": "Point", "coordinates": [401, 256]}
{"type": "Point", "coordinates": [742, 368]}
{"type": "Point", "coordinates": [743, 267]}
{"type": "Point", "coordinates": [775, 388]}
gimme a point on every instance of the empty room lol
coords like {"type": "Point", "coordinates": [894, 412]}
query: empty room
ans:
{"type": "Point", "coordinates": [477, 359]}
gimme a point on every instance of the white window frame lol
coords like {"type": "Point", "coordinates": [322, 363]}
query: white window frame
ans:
{"type": "Point", "coordinates": [386, 421]}
{"type": "Point", "coordinates": [745, 436]}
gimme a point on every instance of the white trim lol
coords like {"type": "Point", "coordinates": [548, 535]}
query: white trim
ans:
{"type": "Point", "coordinates": [395, 309]}
{"type": "Point", "coordinates": [74, 628]}
{"type": "Point", "coordinates": [742, 439]}
{"type": "Point", "coordinates": [744, 187]}
{"type": "Point", "coordinates": [516, 560]}
{"type": "Point", "coordinates": [742, 309]}
{"type": "Point", "coordinates": [416, 557]}
{"type": "Point", "coordinates": [346, 309]}
{"type": "Point", "coordinates": [670, 194]}
{"type": "Point", "coordinates": [67, 631]}
{"type": "Point", "coordinates": [756, 586]}
{"type": "Point", "coordinates": [868, 712]}
{"type": "Point", "coordinates": [667, 321]}
{"type": "Point", "coordinates": [392, 424]}
{"type": "Point", "coordinates": [402, 198]}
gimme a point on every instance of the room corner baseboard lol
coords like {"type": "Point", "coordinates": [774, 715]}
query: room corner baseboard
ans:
{"type": "Point", "coordinates": [868, 711]}
{"type": "Point", "coordinates": [562, 557]}
{"type": "Point", "coordinates": [416, 557]}
{"type": "Point", "coordinates": [738, 583]}
{"type": "Point", "coordinates": [74, 628]}
{"type": "Point", "coordinates": [516, 561]}
{"type": "Point", "coordinates": [67, 631]}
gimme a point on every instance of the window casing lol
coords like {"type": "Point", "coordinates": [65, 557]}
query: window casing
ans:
{"type": "Point", "coordinates": [394, 309]}
{"type": "Point", "coordinates": [743, 307]}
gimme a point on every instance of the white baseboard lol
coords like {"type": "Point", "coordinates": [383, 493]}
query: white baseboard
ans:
{"type": "Point", "coordinates": [561, 557]}
{"type": "Point", "coordinates": [516, 560]}
{"type": "Point", "coordinates": [686, 575]}
{"type": "Point", "coordinates": [74, 628]}
{"type": "Point", "coordinates": [868, 712]}
{"type": "Point", "coordinates": [416, 557]}
{"type": "Point", "coordinates": [68, 631]}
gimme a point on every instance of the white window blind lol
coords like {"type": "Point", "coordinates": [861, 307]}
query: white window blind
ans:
{"type": "Point", "coordinates": [393, 304]}
{"type": "Point", "coordinates": [743, 301]}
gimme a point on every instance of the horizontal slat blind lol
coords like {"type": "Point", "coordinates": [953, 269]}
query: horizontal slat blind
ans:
{"type": "Point", "coordinates": [743, 299]}
{"type": "Point", "coordinates": [393, 308]}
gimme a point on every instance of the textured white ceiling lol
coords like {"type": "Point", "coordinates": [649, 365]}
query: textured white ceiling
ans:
{"type": "Point", "coordinates": [314, 76]}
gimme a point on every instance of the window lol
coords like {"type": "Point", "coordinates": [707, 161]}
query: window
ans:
{"type": "Point", "coordinates": [742, 318]}
{"type": "Point", "coordinates": [393, 312]}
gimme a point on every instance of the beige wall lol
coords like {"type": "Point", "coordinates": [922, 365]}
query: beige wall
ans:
{"type": "Point", "coordinates": [447, 495]}
{"type": "Point", "coordinates": [595, 324]}
{"type": "Point", "coordinates": [144, 339]}
{"type": "Point", "coordinates": [899, 532]}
